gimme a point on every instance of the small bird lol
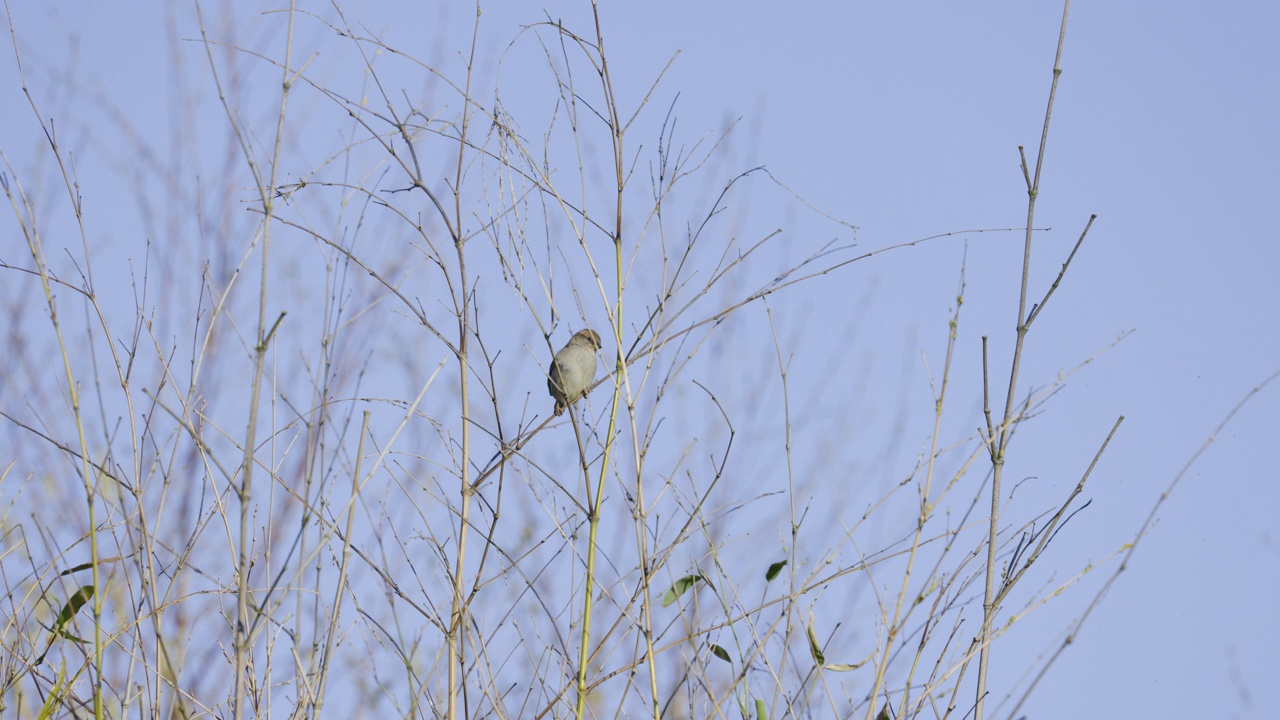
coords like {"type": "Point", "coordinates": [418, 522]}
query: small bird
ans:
{"type": "Point", "coordinates": [573, 369]}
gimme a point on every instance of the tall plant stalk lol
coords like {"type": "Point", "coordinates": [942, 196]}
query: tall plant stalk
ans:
{"type": "Point", "coordinates": [999, 436]}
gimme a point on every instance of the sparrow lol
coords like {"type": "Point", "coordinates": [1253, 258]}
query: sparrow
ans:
{"type": "Point", "coordinates": [573, 369]}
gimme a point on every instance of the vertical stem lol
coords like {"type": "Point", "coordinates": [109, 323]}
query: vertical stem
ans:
{"type": "Point", "coordinates": [457, 653]}
{"type": "Point", "coordinates": [456, 650]}
{"type": "Point", "coordinates": [244, 562]}
{"type": "Point", "coordinates": [1000, 438]}
{"type": "Point", "coordinates": [593, 517]}
{"type": "Point", "coordinates": [87, 471]}
{"type": "Point", "coordinates": [326, 662]}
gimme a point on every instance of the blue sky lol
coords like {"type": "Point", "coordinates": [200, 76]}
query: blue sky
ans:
{"type": "Point", "coordinates": [904, 120]}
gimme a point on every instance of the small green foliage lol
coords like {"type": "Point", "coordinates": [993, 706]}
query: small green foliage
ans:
{"type": "Point", "coordinates": [54, 701]}
{"type": "Point", "coordinates": [68, 611]}
{"type": "Point", "coordinates": [814, 648]}
{"type": "Point", "coordinates": [679, 588]}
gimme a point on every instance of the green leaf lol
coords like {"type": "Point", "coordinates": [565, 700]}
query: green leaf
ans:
{"type": "Point", "coordinates": [69, 610]}
{"type": "Point", "coordinates": [774, 569]}
{"type": "Point", "coordinates": [65, 616]}
{"type": "Point", "coordinates": [53, 703]}
{"type": "Point", "coordinates": [679, 588]}
{"type": "Point", "coordinates": [721, 653]}
{"type": "Point", "coordinates": [814, 648]}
